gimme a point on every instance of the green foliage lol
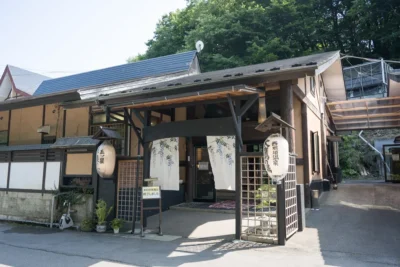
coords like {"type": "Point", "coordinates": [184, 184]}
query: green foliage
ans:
{"type": "Point", "coordinates": [73, 197]}
{"type": "Point", "coordinates": [356, 156]}
{"type": "Point", "coordinates": [87, 224]}
{"type": "Point", "coordinates": [240, 32]}
{"type": "Point", "coordinates": [117, 223]}
{"type": "Point", "coordinates": [267, 194]}
{"type": "Point", "coordinates": [102, 211]}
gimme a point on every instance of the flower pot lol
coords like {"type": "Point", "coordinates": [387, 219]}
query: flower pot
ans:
{"type": "Point", "coordinates": [116, 230]}
{"type": "Point", "coordinates": [101, 228]}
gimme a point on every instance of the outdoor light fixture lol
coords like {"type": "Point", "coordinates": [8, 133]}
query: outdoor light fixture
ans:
{"type": "Point", "coordinates": [276, 156]}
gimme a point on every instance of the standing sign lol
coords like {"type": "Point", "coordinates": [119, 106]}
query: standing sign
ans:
{"type": "Point", "coordinates": [276, 156]}
{"type": "Point", "coordinates": [151, 192]}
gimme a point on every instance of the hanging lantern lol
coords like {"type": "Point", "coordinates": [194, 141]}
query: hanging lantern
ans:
{"type": "Point", "coordinates": [276, 156]}
{"type": "Point", "coordinates": [105, 160]}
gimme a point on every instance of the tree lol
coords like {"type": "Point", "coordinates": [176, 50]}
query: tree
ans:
{"type": "Point", "coordinates": [240, 32]}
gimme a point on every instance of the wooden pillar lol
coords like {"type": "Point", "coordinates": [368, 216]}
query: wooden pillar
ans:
{"type": "Point", "coordinates": [238, 179]}
{"type": "Point", "coordinates": [146, 148]}
{"type": "Point", "coordinates": [324, 169]}
{"type": "Point", "coordinates": [306, 154]}
{"type": "Point", "coordinates": [286, 103]}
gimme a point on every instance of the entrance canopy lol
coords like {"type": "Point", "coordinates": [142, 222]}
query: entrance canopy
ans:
{"type": "Point", "coordinates": [368, 113]}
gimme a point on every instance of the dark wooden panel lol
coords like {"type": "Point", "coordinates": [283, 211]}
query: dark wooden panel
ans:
{"type": "Point", "coordinates": [201, 127]}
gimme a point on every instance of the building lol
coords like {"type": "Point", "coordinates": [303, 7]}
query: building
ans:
{"type": "Point", "coordinates": [167, 97]}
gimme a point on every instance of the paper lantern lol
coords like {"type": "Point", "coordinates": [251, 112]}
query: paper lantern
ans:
{"type": "Point", "coordinates": [276, 156]}
{"type": "Point", "coordinates": [105, 160]}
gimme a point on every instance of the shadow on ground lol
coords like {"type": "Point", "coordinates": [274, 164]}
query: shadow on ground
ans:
{"type": "Point", "coordinates": [359, 221]}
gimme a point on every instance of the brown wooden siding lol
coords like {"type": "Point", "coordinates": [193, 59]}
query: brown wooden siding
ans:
{"type": "Point", "coordinates": [24, 125]}
{"type": "Point", "coordinates": [54, 116]}
{"type": "Point", "coordinates": [77, 122]}
{"type": "Point", "coordinates": [4, 120]}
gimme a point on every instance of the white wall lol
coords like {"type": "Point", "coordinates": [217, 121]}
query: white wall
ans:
{"type": "Point", "coordinates": [3, 175]}
{"type": "Point", "coordinates": [26, 175]}
{"type": "Point", "coordinates": [52, 175]}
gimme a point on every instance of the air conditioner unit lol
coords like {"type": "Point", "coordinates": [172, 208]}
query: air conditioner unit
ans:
{"type": "Point", "coordinates": [45, 129]}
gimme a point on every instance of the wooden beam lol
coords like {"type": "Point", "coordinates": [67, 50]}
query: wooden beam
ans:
{"type": "Point", "coordinates": [371, 121]}
{"type": "Point", "coordinates": [248, 104]}
{"type": "Point", "coordinates": [363, 108]}
{"type": "Point", "coordinates": [132, 124]}
{"type": "Point", "coordinates": [362, 100]}
{"type": "Point", "coordinates": [394, 114]}
{"type": "Point", "coordinates": [235, 122]}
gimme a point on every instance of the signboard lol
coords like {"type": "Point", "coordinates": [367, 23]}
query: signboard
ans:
{"type": "Point", "coordinates": [151, 192]}
{"type": "Point", "coordinates": [276, 156]}
{"type": "Point", "coordinates": [203, 166]}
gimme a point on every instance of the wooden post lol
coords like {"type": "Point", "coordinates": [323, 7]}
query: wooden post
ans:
{"type": "Point", "coordinates": [323, 153]}
{"type": "Point", "coordinates": [287, 113]}
{"type": "Point", "coordinates": [306, 155]}
{"type": "Point", "coordinates": [238, 180]}
{"type": "Point", "coordinates": [146, 157]}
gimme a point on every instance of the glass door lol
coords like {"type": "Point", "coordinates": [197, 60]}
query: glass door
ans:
{"type": "Point", "coordinates": [204, 187]}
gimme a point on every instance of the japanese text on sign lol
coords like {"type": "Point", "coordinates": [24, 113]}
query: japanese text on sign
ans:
{"type": "Point", "coordinates": [151, 192]}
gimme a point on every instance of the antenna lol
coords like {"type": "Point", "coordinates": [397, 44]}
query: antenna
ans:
{"type": "Point", "coordinates": [199, 46]}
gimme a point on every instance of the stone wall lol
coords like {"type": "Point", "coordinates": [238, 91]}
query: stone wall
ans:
{"type": "Point", "coordinates": [22, 206]}
{"type": "Point", "coordinates": [35, 207]}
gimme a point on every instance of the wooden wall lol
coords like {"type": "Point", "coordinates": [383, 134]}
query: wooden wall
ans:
{"type": "Point", "coordinates": [77, 122]}
{"type": "Point", "coordinates": [24, 125]}
{"type": "Point", "coordinates": [4, 116]}
{"type": "Point", "coordinates": [54, 116]}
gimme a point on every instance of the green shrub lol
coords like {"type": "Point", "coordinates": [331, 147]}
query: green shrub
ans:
{"type": "Point", "coordinates": [87, 224]}
{"type": "Point", "coordinates": [117, 223]}
{"type": "Point", "coordinates": [102, 211]}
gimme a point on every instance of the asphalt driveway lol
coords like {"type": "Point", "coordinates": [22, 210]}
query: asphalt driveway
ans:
{"type": "Point", "coordinates": [358, 225]}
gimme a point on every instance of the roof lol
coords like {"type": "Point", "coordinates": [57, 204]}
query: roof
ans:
{"type": "Point", "coordinates": [159, 66]}
{"type": "Point", "coordinates": [25, 147]}
{"type": "Point", "coordinates": [25, 80]}
{"type": "Point", "coordinates": [74, 142]}
{"type": "Point", "coordinates": [106, 133]}
{"type": "Point", "coordinates": [311, 62]}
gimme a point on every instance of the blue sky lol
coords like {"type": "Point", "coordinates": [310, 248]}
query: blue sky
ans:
{"type": "Point", "coordinates": [58, 38]}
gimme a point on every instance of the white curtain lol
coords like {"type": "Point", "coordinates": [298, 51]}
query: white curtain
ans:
{"type": "Point", "coordinates": [221, 150]}
{"type": "Point", "coordinates": [164, 164]}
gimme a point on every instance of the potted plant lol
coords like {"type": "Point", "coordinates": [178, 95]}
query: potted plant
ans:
{"type": "Point", "coordinates": [102, 213]}
{"type": "Point", "coordinates": [87, 224]}
{"type": "Point", "coordinates": [116, 224]}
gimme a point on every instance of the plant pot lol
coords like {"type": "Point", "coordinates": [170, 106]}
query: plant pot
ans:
{"type": "Point", "coordinates": [101, 228]}
{"type": "Point", "coordinates": [116, 230]}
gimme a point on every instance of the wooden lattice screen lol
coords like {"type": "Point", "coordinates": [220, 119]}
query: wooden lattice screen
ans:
{"type": "Point", "coordinates": [127, 175]}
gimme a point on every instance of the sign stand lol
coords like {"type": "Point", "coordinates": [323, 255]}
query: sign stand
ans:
{"type": "Point", "coordinates": [148, 193]}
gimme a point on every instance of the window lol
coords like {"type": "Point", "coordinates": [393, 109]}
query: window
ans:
{"type": "Point", "coordinates": [315, 151]}
{"type": "Point", "coordinates": [312, 85]}
{"type": "Point", "coordinates": [3, 138]}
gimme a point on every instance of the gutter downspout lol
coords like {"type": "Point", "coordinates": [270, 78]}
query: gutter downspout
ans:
{"type": "Point", "coordinates": [376, 150]}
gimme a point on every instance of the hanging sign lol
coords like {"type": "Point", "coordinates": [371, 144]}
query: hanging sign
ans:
{"type": "Point", "coordinates": [151, 192]}
{"type": "Point", "coordinates": [276, 156]}
{"type": "Point", "coordinates": [105, 160]}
